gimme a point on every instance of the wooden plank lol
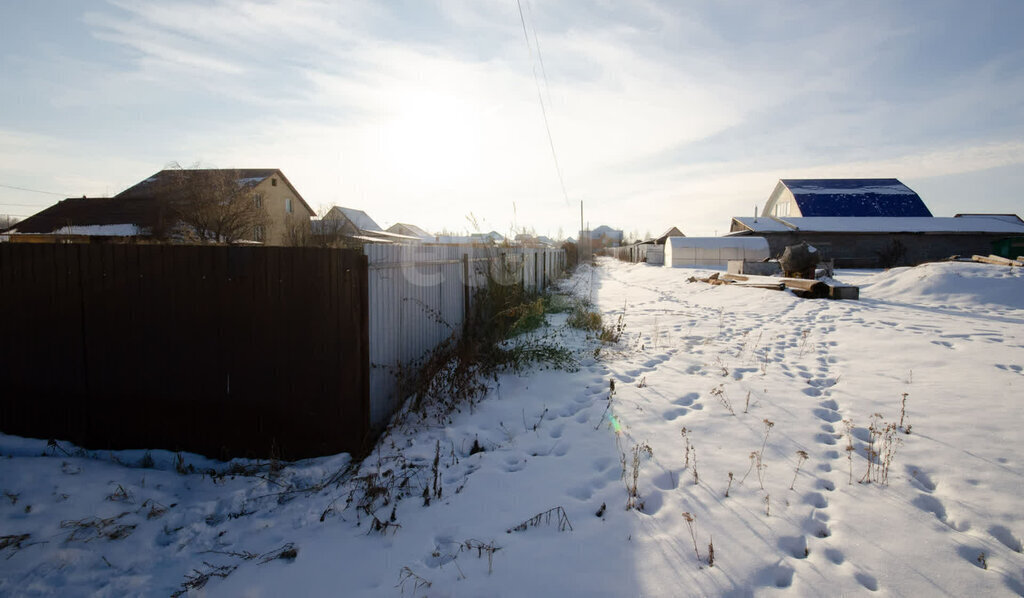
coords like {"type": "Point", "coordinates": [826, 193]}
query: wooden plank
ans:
{"type": "Point", "coordinates": [997, 260]}
{"type": "Point", "coordinates": [803, 287]}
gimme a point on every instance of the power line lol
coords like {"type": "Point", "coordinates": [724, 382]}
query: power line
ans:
{"type": "Point", "coordinates": [540, 98]}
{"type": "Point", "coordinates": [33, 191]}
{"type": "Point", "coordinates": [20, 205]}
{"type": "Point", "coordinates": [540, 57]}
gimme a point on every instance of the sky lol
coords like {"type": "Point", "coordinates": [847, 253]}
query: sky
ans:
{"type": "Point", "coordinates": [465, 115]}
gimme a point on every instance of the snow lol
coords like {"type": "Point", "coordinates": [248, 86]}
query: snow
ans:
{"type": "Point", "coordinates": [875, 189]}
{"type": "Point", "coordinates": [878, 224]}
{"type": "Point", "coordinates": [947, 335]}
{"type": "Point", "coordinates": [102, 230]}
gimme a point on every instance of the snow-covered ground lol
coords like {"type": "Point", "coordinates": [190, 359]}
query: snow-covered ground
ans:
{"type": "Point", "coordinates": [558, 451]}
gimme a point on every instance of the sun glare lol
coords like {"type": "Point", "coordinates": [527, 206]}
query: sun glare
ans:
{"type": "Point", "coordinates": [433, 138]}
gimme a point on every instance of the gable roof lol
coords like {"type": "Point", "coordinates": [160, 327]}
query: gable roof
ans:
{"type": "Point", "coordinates": [359, 218]}
{"type": "Point", "coordinates": [672, 232]}
{"type": "Point", "coordinates": [163, 185]}
{"type": "Point", "coordinates": [854, 197]}
{"type": "Point", "coordinates": [603, 231]}
{"type": "Point", "coordinates": [410, 229]}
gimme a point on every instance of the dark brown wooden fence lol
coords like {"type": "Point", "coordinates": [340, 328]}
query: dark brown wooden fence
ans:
{"type": "Point", "coordinates": [224, 351]}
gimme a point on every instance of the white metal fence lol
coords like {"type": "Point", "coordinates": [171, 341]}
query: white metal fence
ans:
{"type": "Point", "coordinates": [652, 254]}
{"type": "Point", "coordinates": [419, 296]}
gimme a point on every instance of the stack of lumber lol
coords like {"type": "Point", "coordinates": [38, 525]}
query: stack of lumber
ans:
{"type": "Point", "coordinates": [1000, 261]}
{"type": "Point", "coordinates": [801, 287]}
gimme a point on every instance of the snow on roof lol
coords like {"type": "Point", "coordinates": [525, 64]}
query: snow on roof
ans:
{"type": "Point", "coordinates": [411, 229]}
{"type": "Point", "coordinates": [834, 186]}
{"type": "Point", "coordinates": [840, 224]}
{"type": "Point", "coordinates": [855, 197]}
{"type": "Point", "coordinates": [394, 236]}
{"type": "Point", "coordinates": [359, 218]}
{"type": "Point", "coordinates": [1007, 217]}
{"type": "Point", "coordinates": [717, 242]}
{"type": "Point", "coordinates": [370, 239]}
{"type": "Point", "coordinates": [103, 230]}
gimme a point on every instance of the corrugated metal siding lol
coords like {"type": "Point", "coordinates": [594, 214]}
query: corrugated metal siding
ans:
{"type": "Point", "coordinates": [417, 302]}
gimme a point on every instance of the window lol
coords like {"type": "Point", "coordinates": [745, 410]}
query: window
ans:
{"type": "Point", "coordinates": [273, 182]}
{"type": "Point", "coordinates": [288, 205]}
{"type": "Point", "coordinates": [257, 233]}
{"type": "Point", "coordinates": [257, 200]}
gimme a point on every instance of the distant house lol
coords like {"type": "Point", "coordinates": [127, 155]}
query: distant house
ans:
{"type": "Point", "coordinates": [411, 230]}
{"type": "Point", "coordinates": [348, 226]}
{"type": "Point", "coordinates": [869, 223]}
{"type": "Point", "coordinates": [356, 221]}
{"type": "Point", "coordinates": [864, 198]}
{"type": "Point", "coordinates": [662, 238]}
{"type": "Point", "coordinates": [602, 236]}
{"type": "Point", "coordinates": [491, 238]}
{"type": "Point", "coordinates": [875, 242]}
{"type": "Point", "coordinates": [180, 205]}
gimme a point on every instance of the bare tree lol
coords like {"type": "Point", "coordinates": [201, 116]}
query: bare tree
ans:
{"type": "Point", "coordinates": [7, 221]}
{"type": "Point", "coordinates": [298, 233]}
{"type": "Point", "coordinates": [215, 206]}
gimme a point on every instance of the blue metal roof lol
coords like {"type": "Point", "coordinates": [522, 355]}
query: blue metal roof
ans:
{"type": "Point", "coordinates": [855, 197]}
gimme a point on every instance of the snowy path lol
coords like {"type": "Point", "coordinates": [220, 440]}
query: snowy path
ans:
{"type": "Point", "coordinates": [719, 362]}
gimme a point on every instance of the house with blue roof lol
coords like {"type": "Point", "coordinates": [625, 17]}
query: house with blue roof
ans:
{"type": "Point", "coordinates": [864, 198]}
{"type": "Point", "coordinates": [870, 223]}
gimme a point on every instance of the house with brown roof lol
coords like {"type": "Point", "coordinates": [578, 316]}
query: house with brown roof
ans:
{"type": "Point", "coordinates": [181, 205]}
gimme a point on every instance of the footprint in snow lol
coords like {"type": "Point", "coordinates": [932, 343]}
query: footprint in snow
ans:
{"type": "Point", "coordinates": [818, 529]}
{"type": "Point", "coordinates": [827, 439]}
{"type": "Point", "coordinates": [827, 415]}
{"type": "Point", "coordinates": [921, 479]}
{"type": "Point", "coordinates": [1007, 537]}
{"type": "Point", "coordinates": [581, 492]}
{"type": "Point", "coordinates": [816, 500]}
{"type": "Point", "coordinates": [674, 414]}
{"type": "Point", "coordinates": [687, 399]}
{"type": "Point", "coordinates": [779, 576]}
{"type": "Point", "coordinates": [666, 480]}
{"type": "Point", "coordinates": [823, 382]}
{"type": "Point", "coordinates": [868, 581]}
{"type": "Point", "coordinates": [933, 505]}
{"type": "Point", "coordinates": [795, 546]}
{"type": "Point", "coordinates": [974, 556]}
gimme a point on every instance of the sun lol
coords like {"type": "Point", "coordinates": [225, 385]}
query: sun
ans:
{"type": "Point", "coordinates": [434, 138]}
